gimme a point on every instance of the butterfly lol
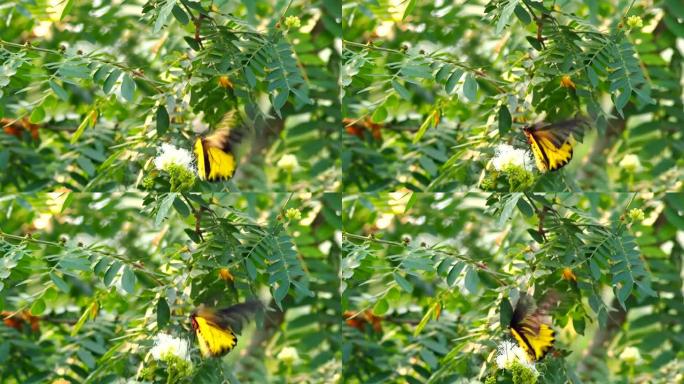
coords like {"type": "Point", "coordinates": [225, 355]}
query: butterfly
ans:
{"type": "Point", "coordinates": [552, 144]}
{"type": "Point", "coordinates": [531, 326]}
{"type": "Point", "coordinates": [215, 328]}
{"type": "Point", "coordinates": [215, 157]}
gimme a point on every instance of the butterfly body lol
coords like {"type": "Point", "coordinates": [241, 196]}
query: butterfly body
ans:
{"type": "Point", "coordinates": [552, 144]}
{"type": "Point", "coordinates": [215, 328]}
{"type": "Point", "coordinates": [531, 327]}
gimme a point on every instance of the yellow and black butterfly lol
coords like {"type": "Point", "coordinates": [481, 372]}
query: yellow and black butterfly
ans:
{"type": "Point", "coordinates": [552, 144]}
{"type": "Point", "coordinates": [216, 328]}
{"type": "Point", "coordinates": [531, 326]}
{"type": "Point", "coordinates": [214, 153]}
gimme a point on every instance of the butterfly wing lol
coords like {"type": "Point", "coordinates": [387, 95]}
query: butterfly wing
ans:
{"type": "Point", "coordinates": [213, 340]}
{"type": "Point", "coordinates": [235, 316]}
{"type": "Point", "coordinates": [552, 144]}
{"type": "Point", "coordinates": [536, 343]}
{"type": "Point", "coordinates": [202, 159]}
{"type": "Point", "coordinates": [221, 164]}
{"type": "Point", "coordinates": [530, 326]}
{"type": "Point", "coordinates": [215, 159]}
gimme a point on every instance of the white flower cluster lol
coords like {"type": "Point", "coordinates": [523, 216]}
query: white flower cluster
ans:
{"type": "Point", "coordinates": [288, 355]}
{"type": "Point", "coordinates": [166, 345]}
{"type": "Point", "coordinates": [506, 155]}
{"type": "Point", "coordinates": [288, 162]}
{"type": "Point", "coordinates": [509, 353]}
{"type": "Point", "coordinates": [169, 154]}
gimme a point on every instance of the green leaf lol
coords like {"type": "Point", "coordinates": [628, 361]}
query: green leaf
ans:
{"type": "Point", "coordinates": [163, 313]}
{"type": "Point", "coordinates": [525, 208]}
{"type": "Point", "coordinates": [427, 123]}
{"type": "Point", "coordinates": [162, 117]}
{"type": "Point", "coordinates": [443, 72]}
{"type": "Point", "coordinates": [381, 307]}
{"type": "Point", "coordinates": [471, 280]}
{"type": "Point", "coordinates": [401, 90]}
{"type": "Point", "coordinates": [379, 115]}
{"type": "Point", "coordinates": [37, 115]}
{"type": "Point", "coordinates": [534, 42]}
{"type": "Point", "coordinates": [81, 320]}
{"type": "Point", "coordinates": [111, 273]}
{"type": "Point", "coordinates": [67, 5]}
{"type": "Point", "coordinates": [86, 357]}
{"type": "Point", "coordinates": [180, 15]}
{"type": "Point", "coordinates": [164, 12]}
{"type": "Point", "coordinates": [128, 280]}
{"type": "Point", "coordinates": [38, 307]}
{"type": "Point", "coordinates": [623, 292]}
{"type": "Point", "coordinates": [280, 99]}
{"type": "Point", "coordinates": [128, 88]}
{"type": "Point", "coordinates": [181, 207]}
{"type": "Point", "coordinates": [249, 75]}
{"type": "Point", "coordinates": [428, 357]}
{"type": "Point", "coordinates": [621, 100]}
{"type": "Point", "coordinates": [59, 282]}
{"type": "Point", "coordinates": [470, 87]}
{"type": "Point", "coordinates": [455, 272]}
{"type": "Point", "coordinates": [509, 207]}
{"type": "Point", "coordinates": [505, 313]}
{"type": "Point", "coordinates": [426, 317]}
{"type": "Point", "coordinates": [111, 81]}
{"type": "Point", "coordinates": [58, 90]}
{"type": "Point", "coordinates": [84, 124]}
{"type": "Point", "coordinates": [409, 8]}
{"type": "Point", "coordinates": [403, 283]}
{"type": "Point", "coordinates": [280, 292]}
{"type": "Point", "coordinates": [505, 120]}
{"type": "Point", "coordinates": [522, 15]}
{"type": "Point", "coordinates": [506, 15]}
{"type": "Point", "coordinates": [192, 43]}
{"type": "Point", "coordinates": [452, 81]}
{"type": "Point", "coordinates": [164, 208]}
{"type": "Point", "coordinates": [594, 269]}
{"type": "Point", "coordinates": [251, 269]}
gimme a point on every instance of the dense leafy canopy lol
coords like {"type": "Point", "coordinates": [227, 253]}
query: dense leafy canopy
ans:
{"type": "Point", "coordinates": [440, 271]}
{"type": "Point", "coordinates": [108, 83]}
{"type": "Point", "coordinates": [447, 82]}
{"type": "Point", "coordinates": [405, 172]}
{"type": "Point", "coordinates": [105, 273]}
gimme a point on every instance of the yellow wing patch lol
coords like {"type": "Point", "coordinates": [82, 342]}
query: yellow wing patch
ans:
{"type": "Point", "coordinates": [213, 340]}
{"type": "Point", "coordinates": [199, 156]}
{"type": "Point", "coordinates": [552, 144]}
{"type": "Point", "coordinates": [547, 155]}
{"type": "Point", "coordinates": [215, 161]}
{"type": "Point", "coordinates": [536, 344]}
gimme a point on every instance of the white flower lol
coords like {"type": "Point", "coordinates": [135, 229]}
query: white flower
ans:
{"type": "Point", "coordinates": [630, 355]}
{"type": "Point", "coordinates": [168, 154]}
{"type": "Point", "coordinates": [509, 353]}
{"type": "Point", "coordinates": [288, 355]}
{"type": "Point", "coordinates": [506, 155]}
{"type": "Point", "coordinates": [630, 163]}
{"type": "Point", "coordinates": [165, 345]}
{"type": "Point", "coordinates": [288, 163]}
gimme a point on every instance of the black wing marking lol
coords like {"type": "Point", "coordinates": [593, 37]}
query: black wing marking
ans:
{"type": "Point", "coordinates": [560, 131]}
{"type": "Point", "coordinates": [233, 317]}
{"type": "Point", "coordinates": [207, 164]}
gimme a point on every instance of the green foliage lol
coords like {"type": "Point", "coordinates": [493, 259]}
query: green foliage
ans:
{"type": "Point", "coordinates": [486, 78]}
{"type": "Point", "coordinates": [466, 256]}
{"type": "Point", "coordinates": [107, 273]}
{"type": "Point", "coordinates": [105, 98]}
